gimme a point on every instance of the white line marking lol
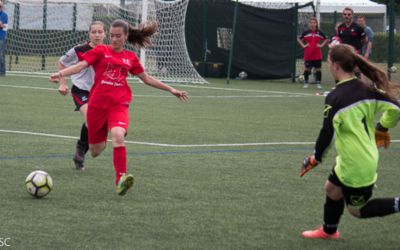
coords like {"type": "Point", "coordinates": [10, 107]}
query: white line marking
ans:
{"type": "Point", "coordinates": [26, 87]}
{"type": "Point", "coordinates": [173, 145]}
{"type": "Point", "coordinates": [243, 90]}
{"type": "Point", "coordinates": [170, 96]}
{"type": "Point", "coordinates": [224, 96]}
{"type": "Point", "coordinates": [203, 87]}
{"type": "Point", "coordinates": [165, 144]}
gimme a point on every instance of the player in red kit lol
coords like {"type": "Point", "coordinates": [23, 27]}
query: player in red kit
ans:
{"type": "Point", "coordinates": [314, 40]}
{"type": "Point", "coordinates": [110, 96]}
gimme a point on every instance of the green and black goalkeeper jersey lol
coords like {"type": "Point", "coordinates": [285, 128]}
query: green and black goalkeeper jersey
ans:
{"type": "Point", "coordinates": [349, 118]}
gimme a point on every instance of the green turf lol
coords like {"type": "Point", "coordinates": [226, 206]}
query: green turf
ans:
{"type": "Point", "coordinates": [226, 197]}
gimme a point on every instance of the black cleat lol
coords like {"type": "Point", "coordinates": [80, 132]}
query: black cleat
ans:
{"type": "Point", "coordinates": [79, 158]}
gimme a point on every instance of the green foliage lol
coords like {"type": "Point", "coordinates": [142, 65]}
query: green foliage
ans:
{"type": "Point", "coordinates": [380, 47]}
{"type": "Point", "coordinates": [386, 2]}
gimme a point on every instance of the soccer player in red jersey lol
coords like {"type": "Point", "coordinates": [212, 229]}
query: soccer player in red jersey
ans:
{"type": "Point", "coordinates": [110, 96]}
{"type": "Point", "coordinates": [81, 85]}
{"type": "Point", "coordinates": [314, 40]}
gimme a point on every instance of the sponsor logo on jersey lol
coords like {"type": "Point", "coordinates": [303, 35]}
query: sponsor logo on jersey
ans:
{"type": "Point", "coordinates": [126, 61]}
{"type": "Point", "coordinates": [327, 110]}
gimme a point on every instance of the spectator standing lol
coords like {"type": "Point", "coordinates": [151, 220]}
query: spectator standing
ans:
{"type": "Point", "coordinates": [367, 47]}
{"type": "Point", "coordinates": [3, 36]}
{"type": "Point", "coordinates": [350, 32]}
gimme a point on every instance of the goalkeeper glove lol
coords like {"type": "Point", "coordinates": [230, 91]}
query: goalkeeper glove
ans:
{"type": "Point", "coordinates": [382, 136]}
{"type": "Point", "coordinates": [308, 164]}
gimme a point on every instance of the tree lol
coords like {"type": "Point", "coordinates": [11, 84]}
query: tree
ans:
{"type": "Point", "coordinates": [386, 2]}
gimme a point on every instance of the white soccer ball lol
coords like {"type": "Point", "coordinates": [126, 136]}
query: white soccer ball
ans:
{"type": "Point", "coordinates": [393, 69]}
{"type": "Point", "coordinates": [334, 43]}
{"type": "Point", "coordinates": [242, 75]}
{"type": "Point", "coordinates": [300, 78]}
{"type": "Point", "coordinates": [38, 183]}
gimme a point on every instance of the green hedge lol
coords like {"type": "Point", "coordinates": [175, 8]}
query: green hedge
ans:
{"type": "Point", "coordinates": [380, 47]}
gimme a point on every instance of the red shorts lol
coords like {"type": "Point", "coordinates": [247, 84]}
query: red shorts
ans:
{"type": "Point", "coordinates": [101, 121]}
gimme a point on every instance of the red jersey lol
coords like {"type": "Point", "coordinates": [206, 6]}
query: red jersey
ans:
{"type": "Point", "coordinates": [111, 70]}
{"type": "Point", "coordinates": [312, 38]}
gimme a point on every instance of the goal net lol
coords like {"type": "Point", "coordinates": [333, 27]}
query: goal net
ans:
{"type": "Point", "coordinates": [304, 13]}
{"type": "Point", "coordinates": [40, 31]}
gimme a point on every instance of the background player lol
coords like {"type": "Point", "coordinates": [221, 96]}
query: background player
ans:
{"type": "Point", "coordinates": [81, 84]}
{"type": "Point", "coordinates": [314, 40]}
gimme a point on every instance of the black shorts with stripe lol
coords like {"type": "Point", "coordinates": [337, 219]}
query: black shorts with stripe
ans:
{"type": "Point", "coordinates": [79, 96]}
{"type": "Point", "coordinates": [354, 197]}
{"type": "Point", "coordinates": [313, 64]}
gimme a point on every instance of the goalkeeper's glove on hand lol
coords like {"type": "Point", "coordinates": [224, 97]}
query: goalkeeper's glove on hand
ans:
{"type": "Point", "coordinates": [308, 164]}
{"type": "Point", "coordinates": [382, 136]}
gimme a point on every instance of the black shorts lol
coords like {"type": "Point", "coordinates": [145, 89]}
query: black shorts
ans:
{"type": "Point", "coordinates": [80, 97]}
{"type": "Point", "coordinates": [354, 197]}
{"type": "Point", "coordinates": [313, 64]}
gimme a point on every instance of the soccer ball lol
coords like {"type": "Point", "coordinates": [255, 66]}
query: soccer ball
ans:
{"type": "Point", "coordinates": [38, 183]}
{"type": "Point", "coordinates": [393, 69]}
{"type": "Point", "coordinates": [335, 41]}
{"type": "Point", "coordinates": [242, 75]}
{"type": "Point", "coordinates": [300, 78]}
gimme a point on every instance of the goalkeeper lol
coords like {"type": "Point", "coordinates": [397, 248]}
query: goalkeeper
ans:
{"type": "Point", "coordinates": [81, 85]}
{"type": "Point", "coordinates": [349, 116]}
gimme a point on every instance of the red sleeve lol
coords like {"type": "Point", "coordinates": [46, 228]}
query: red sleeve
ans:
{"type": "Point", "coordinates": [137, 68]}
{"type": "Point", "coordinates": [93, 55]}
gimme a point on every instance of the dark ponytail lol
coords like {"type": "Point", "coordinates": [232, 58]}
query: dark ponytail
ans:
{"type": "Point", "coordinates": [348, 59]}
{"type": "Point", "coordinates": [138, 36]}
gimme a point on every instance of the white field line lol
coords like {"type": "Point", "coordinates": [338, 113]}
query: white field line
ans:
{"type": "Point", "coordinates": [164, 144]}
{"type": "Point", "coordinates": [205, 87]}
{"type": "Point", "coordinates": [243, 90]}
{"type": "Point", "coordinates": [288, 94]}
{"type": "Point", "coordinates": [172, 145]}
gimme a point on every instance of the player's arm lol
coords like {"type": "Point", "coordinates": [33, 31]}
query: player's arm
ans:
{"type": "Point", "coordinates": [68, 64]}
{"type": "Point", "coordinates": [323, 43]}
{"type": "Point", "coordinates": [325, 40]}
{"type": "Point", "coordinates": [324, 140]}
{"type": "Point", "coordinates": [4, 25]}
{"type": "Point", "coordinates": [71, 70]}
{"type": "Point", "coordinates": [155, 83]}
{"type": "Point", "coordinates": [63, 87]}
{"type": "Point", "coordinates": [363, 35]}
{"type": "Point", "coordinates": [300, 41]}
{"type": "Point", "coordinates": [369, 44]}
{"type": "Point", "coordinates": [382, 136]}
{"type": "Point", "coordinates": [327, 132]}
{"type": "Point", "coordinates": [389, 119]}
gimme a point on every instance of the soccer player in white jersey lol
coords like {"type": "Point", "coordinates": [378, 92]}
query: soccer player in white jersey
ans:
{"type": "Point", "coordinates": [81, 85]}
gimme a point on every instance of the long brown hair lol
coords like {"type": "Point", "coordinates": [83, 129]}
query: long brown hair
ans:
{"type": "Point", "coordinates": [137, 36]}
{"type": "Point", "coordinates": [348, 60]}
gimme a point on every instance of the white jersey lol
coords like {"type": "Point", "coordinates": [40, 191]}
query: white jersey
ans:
{"type": "Point", "coordinates": [84, 79]}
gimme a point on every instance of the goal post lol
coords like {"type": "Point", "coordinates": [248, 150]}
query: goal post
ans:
{"type": "Point", "coordinates": [40, 31]}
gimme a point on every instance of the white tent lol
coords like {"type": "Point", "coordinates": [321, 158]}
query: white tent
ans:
{"type": "Point", "coordinates": [376, 13]}
{"type": "Point", "coordinates": [329, 6]}
{"type": "Point", "coordinates": [362, 6]}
